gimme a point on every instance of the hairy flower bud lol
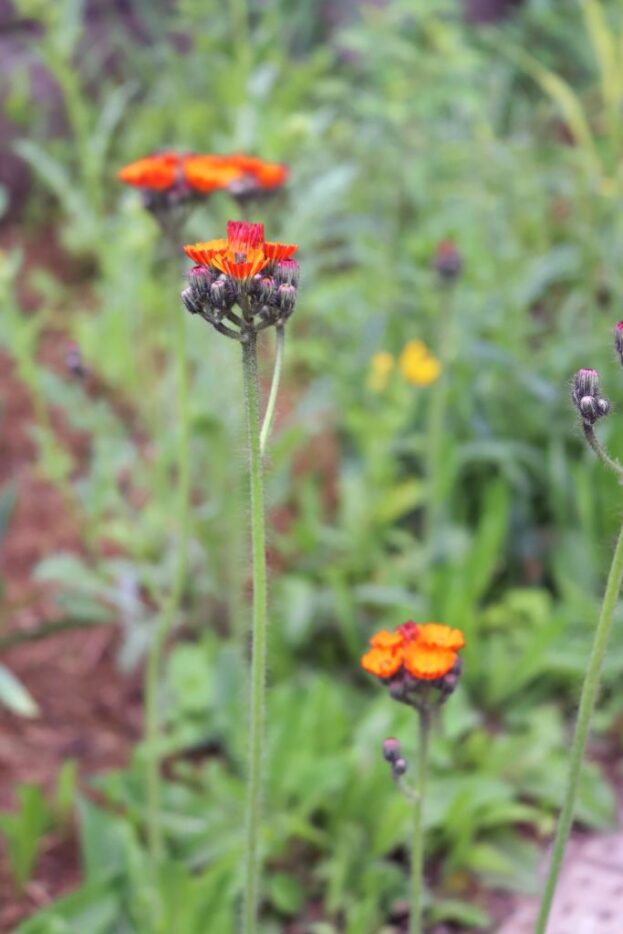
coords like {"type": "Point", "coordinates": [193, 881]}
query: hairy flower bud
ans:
{"type": "Point", "coordinates": [287, 272]}
{"type": "Point", "coordinates": [286, 298]}
{"type": "Point", "coordinates": [190, 301]}
{"type": "Point", "coordinates": [200, 278]}
{"type": "Point", "coordinates": [585, 383]}
{"type": "Point", "coordinates": [222, 294]}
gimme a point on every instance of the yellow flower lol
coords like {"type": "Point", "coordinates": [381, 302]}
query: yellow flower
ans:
{"type": "Point", "coordinates": [381, 366]}
{"type": "Point", "coordinates": [418, 366]}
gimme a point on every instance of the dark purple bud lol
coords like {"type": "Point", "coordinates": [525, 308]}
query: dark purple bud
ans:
{"type": "Point", "coordinates": [448, 260]}
{"type": "Point", "coordinates": [222, 294]}
{"type": "Point", "coordinates": [391, 749]}
{"type": "Point", "coordinates": [399, 767]}
{"type": "Point", "coordinates": [190, 302]}
{"type": "Point", "coordinates": [585, 383]}
{"type": "Point", "coordinates": [286, 297]}
{"type": "Point", "coordinates": [287, 272]}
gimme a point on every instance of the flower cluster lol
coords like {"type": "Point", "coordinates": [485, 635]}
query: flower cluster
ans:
{"type": "Point", "coordinates": [418, 366]}
{"type": "Point", "coordinates": [587, 398]}
{"type": "Point", "coordinates": [169, 177]}
{"type": "Point", "coordinates": [258, 275]}
{"type": "Point", "coordinates": [415, 658]}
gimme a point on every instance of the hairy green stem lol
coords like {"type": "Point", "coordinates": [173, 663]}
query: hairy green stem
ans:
{"type": "Point", "coordinates": [257, 694]}
{"type": "Point", "coordinates": [417, 841]}
{"type": "Point", "coordinates": [588, 697]}
{"type": "Point", "coordinates": [170, 605]}
{"type": "Point", "coordinates": [269, 415]}
{"type": "Point", "coordinates": [601, 452]}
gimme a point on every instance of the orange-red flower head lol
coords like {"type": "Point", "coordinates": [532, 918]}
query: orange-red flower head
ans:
{"type": "Point", "coordinates": [243, 268]}
{"type": "Point", "coordinates": [243, 254]}
{"type": "Point", "coordinates": [158, 172]}
{"type": "Point", "coordinates": [191, 173]}
{"type": "Point", "coordinates": [415, 655]}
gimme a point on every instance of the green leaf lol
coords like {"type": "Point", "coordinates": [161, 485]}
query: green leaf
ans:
{"type": "Point", "coordinates": [14, 695]}
{"type": "Point", "coordinates": [286, 893]}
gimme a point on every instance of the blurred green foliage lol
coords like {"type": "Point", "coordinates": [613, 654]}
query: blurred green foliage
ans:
{"type": "Point", "coordinates": [402, 128]}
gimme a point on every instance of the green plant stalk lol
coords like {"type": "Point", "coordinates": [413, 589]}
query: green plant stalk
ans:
{"type": "Point", "coordinates": [170, 606]}
{"type": "Point", "coordinates": [269, 415]}
{"type": "Point", "coordinates": [588, 698]}
{"type": "Point", "coordinates": [601, 452]}
{"type": "Point", "coordinates": [417, 840]}
{"type": "Point", "coordinates": [241, 34]}
{"type": "Point", "coordinates": [257, 697]}
{"type": "Point", "coordinates": [436, 423]}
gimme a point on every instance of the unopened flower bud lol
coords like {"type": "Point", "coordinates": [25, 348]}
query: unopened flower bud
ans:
{"type": "Point", "coordinates": [190, 302]}
{"type": "Point", "coordinates": [603, 406]}
{"type": "Point", "coordinates": [399, 767]}
{"type": "Point", "coordinates": [391, 749]}
{"type": "Point", "coordinates": [585, 383]}
{"type": "Point", "coordinates": [221, 293]}
{"type": "Point", "coordinates": [200, 278]}
{"type": "Point", "coordinates": [589, 408]}
{"type": "Point", "coordinates": [287, 272]}
{"type": "Point", "coordinates": [448, 260]}
{"type": "Point", "coordinates": [266, 290]}
{"type": "Point", "coordinates": [286, 297]}
{"type": "Point", "coordinates": [618, 339]}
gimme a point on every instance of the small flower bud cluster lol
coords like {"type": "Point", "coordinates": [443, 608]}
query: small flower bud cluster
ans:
{"type": "Point", "coordinates": [448, 261]}
{"type": "Point", "coordinates": [258, 276]}
{"type": "Point", "coordinates": [266, 299]}
{"type": "Point", "coordinates": [587, 398]}
{"type": "Point", "coordinates": [391, 754]}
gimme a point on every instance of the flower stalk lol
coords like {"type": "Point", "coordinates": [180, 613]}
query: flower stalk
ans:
{"type": "Point", "coordinates": [269, 415]}
{"type": "Point", "coordinates": [591, 406]}
{"type": "Point", "coordinates": [257, 696]}
{"type": "Point", "coordinates": [588, 697]}
{"type": "Point", "coordinates": [417, 841]}
{"type": "Point", "coordinates": [171, 605]}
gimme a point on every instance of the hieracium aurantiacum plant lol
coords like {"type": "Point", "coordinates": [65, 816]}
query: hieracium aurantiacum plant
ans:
{"type": "Point", "coordinates": [170, 183]}
{"type": "Point", "coordinates": [591, 406]}
{"type": "Point", "coordinates": [242, 285]}
{"type": "Point", "coordinates": [420, 666]}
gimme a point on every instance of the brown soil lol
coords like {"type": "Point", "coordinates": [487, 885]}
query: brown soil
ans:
{"type": "Point", "coordinates": [89, 711]}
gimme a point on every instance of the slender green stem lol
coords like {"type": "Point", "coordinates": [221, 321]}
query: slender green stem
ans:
{"type": "Point", "coordinates": [417, 843]}
{"type": "Point", "coordinates": [241, 33]}
{"type": "Point", "coordinates": [170, 605]}
{"type": "Point", "coordinates": [590, 689]}
{"type": "Point", "coordinates": [274, 389]}
{"type": "Point", "coordinates": [601, 452]}
{"type": "Point", "coordinates": [257, 699]}
{"type": "Point", "coordinates": [437, 418]}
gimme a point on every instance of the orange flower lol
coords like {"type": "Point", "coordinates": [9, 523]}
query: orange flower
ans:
{"type": "Point", "coordinates": [438, 636]}
{"type": "Point", "coordinates": [426, 651]}
{"type": "Point", "coordinates": [243, 254]}
{"type": "Point", "coordinates": [266, 174]}
{"type": "Point", "coordinates": [210, 173]}
{"type": "Point", "coordinates": [427, 663]}
{"type": "Point", "coordinates": [389, 641]}
{"type": "Point", "coordinates": [203, 173]}
{"type": "Point", "coordinates": [381, 663]}
{"type": "Point", "coordinates": [159, 172]}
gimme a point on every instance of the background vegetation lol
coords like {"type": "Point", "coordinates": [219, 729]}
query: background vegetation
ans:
{"type": "Point", "coordinates": [403, 126]}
